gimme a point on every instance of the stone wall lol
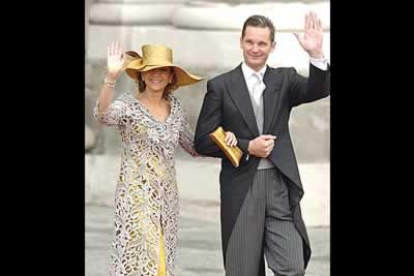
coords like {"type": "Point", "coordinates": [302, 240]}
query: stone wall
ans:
{"type": "Point", "coordinates": [205, 38]}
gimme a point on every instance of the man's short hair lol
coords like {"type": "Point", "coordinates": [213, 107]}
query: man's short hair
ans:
{"type": "Point", "coordinates": [260, 21]}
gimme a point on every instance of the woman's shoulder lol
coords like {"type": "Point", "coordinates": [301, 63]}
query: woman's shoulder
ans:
{"type": "Point", "coordinates": [173, 99]}
{"type": "Point", "coordinates": [175, 102]}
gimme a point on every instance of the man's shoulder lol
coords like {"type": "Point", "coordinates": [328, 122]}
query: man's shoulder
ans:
{"type": "Point", "coordinates": [220, 78]}
{"type": "Point", "coordinates": [279, 70]}
{"type": "Point", "coordinates": [224, 76]}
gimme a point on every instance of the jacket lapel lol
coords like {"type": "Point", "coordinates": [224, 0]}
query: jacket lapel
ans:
{"type": "Point", "coordinates": [240, 95]}
{"type": "Point", "coordinates": [270, 96]}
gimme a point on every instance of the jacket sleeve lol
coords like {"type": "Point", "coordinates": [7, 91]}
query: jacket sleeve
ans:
{"type": "Point", "coordinates": [209, 119]}
{"type": "Point", "coordinates": [305, 90]}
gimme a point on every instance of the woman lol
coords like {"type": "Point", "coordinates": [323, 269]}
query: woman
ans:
{"type": "Point", "coordinates": [151, 123]}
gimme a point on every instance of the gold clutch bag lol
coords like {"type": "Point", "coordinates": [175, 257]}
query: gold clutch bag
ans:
{"type": "Point", "coordinates": [234, 154]}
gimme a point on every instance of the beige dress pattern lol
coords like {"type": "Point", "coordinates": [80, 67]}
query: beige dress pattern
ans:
{"type": "Point", "coordinates": [147, 200]}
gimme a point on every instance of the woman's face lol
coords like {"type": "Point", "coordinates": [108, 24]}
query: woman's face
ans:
{"type": "Point", "coordinates": [157, 79]}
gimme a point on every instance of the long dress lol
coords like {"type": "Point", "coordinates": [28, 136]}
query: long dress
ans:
{"type": "Point", "coordinates": [147, 200]}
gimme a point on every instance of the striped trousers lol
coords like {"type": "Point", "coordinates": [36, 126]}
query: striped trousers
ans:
{"type": "Point", "coordinates": [265, 226]}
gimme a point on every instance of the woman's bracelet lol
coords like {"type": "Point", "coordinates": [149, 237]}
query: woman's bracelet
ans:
{"type": "Point", "coordinates": [110, 84]}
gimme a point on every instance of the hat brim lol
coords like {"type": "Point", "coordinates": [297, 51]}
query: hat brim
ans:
{"type": "Point", "coordinates": [183, 77]}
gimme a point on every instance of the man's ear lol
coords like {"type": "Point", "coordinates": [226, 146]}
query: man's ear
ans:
{"type": "Point", "coordinates": [273, 47]}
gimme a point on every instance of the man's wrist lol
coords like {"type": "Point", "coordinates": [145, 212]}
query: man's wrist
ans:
{"type": "Point", "coordinates": [316, 55]}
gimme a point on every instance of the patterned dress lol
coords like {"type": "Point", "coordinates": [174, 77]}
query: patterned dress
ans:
{"type": "Point", "coordinates": [147, 200]}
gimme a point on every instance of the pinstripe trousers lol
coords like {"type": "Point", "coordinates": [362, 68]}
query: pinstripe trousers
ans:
{"type": "Point", "coordinates": [265, 226]}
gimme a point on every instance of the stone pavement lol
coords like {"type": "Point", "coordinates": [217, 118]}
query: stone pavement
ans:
{"type": "Point", "coordinates": [199, 246]}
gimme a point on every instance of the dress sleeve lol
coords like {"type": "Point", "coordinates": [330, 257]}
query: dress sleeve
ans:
{"type": "Point", "coordinates": [114, 115]}
{"type": "Point", "coordinates": [186, 138]}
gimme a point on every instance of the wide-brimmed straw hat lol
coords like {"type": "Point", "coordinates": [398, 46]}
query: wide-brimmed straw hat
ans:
{"type": "Point", "coordinates": [155, 56]}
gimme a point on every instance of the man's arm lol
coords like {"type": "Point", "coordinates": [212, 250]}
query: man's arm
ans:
{"type": "Point", "coordinates": [317, 86]}
{"type": "Point", "coordinates": [210, 118]}
{"type": "Point", "coordinates": [305, 90]}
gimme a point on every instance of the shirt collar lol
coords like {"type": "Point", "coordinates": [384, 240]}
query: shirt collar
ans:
{"type": "Point", "coordinates": [248, 72]}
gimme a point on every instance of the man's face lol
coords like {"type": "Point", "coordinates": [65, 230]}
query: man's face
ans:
{"type": "Point", "coordinates": [256, 46]}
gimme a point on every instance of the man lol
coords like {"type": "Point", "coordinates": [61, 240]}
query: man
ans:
{"type": "Point", "coordinates": [260, 211]}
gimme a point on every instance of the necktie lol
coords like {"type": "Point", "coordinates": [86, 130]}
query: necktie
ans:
{"type": "Point", "coordinates": [257, 101]}
{"type": "Point", "coordinates": [257, 89]}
